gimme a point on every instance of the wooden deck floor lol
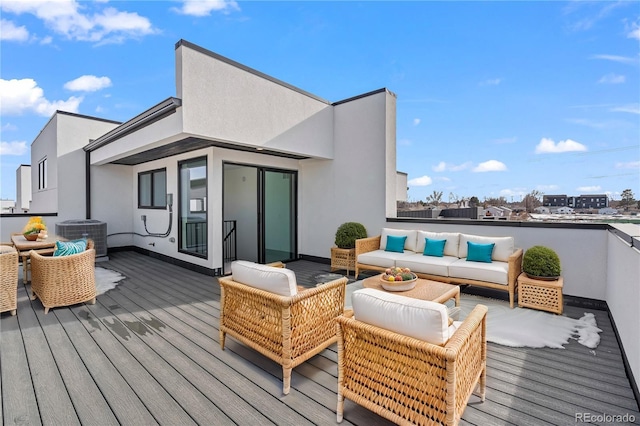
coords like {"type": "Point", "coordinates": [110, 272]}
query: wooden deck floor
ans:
{"type": "Point", "coordinates": [148, 353]}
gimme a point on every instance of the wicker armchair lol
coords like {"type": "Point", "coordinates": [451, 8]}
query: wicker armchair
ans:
{"type": "Point", "coordinates": [410, 381]}
{"type": "Point", "coordinates": [287, 329]}
{"type": "Point", "coordinates": [64, 280]}
{"type": "Point", "coordinates": [8, 279]}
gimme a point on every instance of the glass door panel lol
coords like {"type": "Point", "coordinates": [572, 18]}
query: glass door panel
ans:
{"type": "Point", "coordinates": [192, 207]}
{"type": "Point", "coordinates": [279, 215]}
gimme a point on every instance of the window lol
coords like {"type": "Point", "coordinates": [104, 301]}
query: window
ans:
{"type": "Point", "coordinates": [42, 174]}
{"type": "Point", "coordinates": [192, 207]}
{"type": "Point", "coordinates": [152, 189]}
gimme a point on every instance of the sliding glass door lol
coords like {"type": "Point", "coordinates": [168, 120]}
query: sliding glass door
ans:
{"type": "Point", "coordinates": [259, 214]}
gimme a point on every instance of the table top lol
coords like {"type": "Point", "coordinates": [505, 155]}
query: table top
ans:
{"type": "Point", "coordinates": [424, 290]}
{"type": "Point", "coordinates": [22, 244]}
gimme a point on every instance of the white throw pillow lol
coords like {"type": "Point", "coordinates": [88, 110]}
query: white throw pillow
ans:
{"type": "Point", "coordinates": [280, 281]}
{"type": "Point", "coordinates": [420, 319]}
{"type": "Point", "coordinates": [504, 246]}
{"type": "Point", "coordinates": [410, 242]}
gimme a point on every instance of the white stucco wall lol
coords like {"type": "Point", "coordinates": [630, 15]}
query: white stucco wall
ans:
{"type": "Point", "coordinates": [112, 188]}
{"type": "Point", "coordinates": [44, 146]}
{"type": "Point", "coordinates": [355, 186]}
{"type": "Point", "coordinates": [227, 103]}
{"type": "Point", "coordinates": [401, 186]}
{"type": "Point", "coordinates": [23, 188]}
{"type": "Point", "coordinates": [623, 297]}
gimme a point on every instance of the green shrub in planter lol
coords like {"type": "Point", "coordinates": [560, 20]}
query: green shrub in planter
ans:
{"type": "Point", "coordinates": [540, 261]}
{"type": "Point", "coordinates": [348, 233]}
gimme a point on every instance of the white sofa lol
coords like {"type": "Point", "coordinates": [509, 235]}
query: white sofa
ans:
{"type": "Point", "coordinates": [501, 272]}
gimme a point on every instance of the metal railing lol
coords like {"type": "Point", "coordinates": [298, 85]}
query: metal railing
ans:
{"type": "Point", "coordinates": [229, 248]}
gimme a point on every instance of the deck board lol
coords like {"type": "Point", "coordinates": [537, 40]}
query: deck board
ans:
{"type": "Point", "coordinates": [148, 352]}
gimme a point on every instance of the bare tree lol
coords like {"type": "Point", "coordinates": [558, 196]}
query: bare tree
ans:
{"type": "Point", "coordinates": [435, 198]}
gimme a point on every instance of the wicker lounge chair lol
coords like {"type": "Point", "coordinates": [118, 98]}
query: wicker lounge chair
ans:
{"type": "Point", "coordinates": [407, 380]}
{"type": "Point", "coordinates": [64, 280]}
{"type": "Point", "coordinates": [287, 329]}
{"type": "Point", "coordinates": [8, 279]}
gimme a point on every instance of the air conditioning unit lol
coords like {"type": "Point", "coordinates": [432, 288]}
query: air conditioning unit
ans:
{"type": "Point", "coordinates": [94, 229]}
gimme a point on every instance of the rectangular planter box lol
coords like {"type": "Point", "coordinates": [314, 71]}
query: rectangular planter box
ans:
{"type": "Point", "coordinates": [343, 259]}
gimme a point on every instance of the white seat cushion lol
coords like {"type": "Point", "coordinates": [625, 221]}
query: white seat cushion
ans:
{"type": "Point", "coordinates": [494, 272]}
{"type": "Point", "coordinates": [428, 264]}
{"type": "Point", "coordinates": [381, 258]}
{"type": "Point", "coordinates": [450, 247]}
{"type": "Point", "coordinates": [420, 319]}
{"type": "Point", "coordinates": [274, 280]}
{"type": "Point", "coordinates": [409, 243]}
{"type": "Point", "coordinates": [504, 246]}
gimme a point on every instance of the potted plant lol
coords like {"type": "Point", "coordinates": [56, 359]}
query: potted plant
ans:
{"type": "Point", "coordinates": [34, 228]}
{"type": "Point", "coordinates": [343, 255]}
{"type": "Point", "coordinates": [541, 263]}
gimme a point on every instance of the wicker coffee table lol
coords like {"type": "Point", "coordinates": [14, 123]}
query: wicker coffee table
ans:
{"type": "Point", "coordinates": [424, 290]}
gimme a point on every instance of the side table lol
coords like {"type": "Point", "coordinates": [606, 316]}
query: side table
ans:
{"type": "Point", "coordinates": [539, 294]}
{"type": "Point", "coordinates": [343, 259]}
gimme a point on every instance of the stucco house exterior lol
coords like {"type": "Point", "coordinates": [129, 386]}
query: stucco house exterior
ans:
{"type": "Point", "coordinates": [234, 153]}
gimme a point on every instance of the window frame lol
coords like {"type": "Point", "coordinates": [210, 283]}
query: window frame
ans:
{"type": "Point", "coordinates": [152, 173]}
{"type": "Point", "coordinates": [42, 174]}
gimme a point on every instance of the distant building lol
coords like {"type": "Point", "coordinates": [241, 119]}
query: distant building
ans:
{"type": "Point", "coordinates": [554, 200]}
{"type": "Point", "coordinates": [564, 210]}
{"type": "Point", "coordinates": [7, 206]}
{"type": "Point", "coordinates": [595, 201]}
{"type": "Point", "coordinates": [607, 210]}
{"type": "Point", "coordinates": [541, 210]}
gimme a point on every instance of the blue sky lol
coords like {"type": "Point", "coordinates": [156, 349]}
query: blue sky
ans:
{"type": "Point", "coordinates": [493, 98]}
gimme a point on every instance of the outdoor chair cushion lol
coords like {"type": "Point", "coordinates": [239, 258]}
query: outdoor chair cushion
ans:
{"type": "Point", "coordinates": [384, 259]}
{"type": "Point", "coordinates": [432, 265]}
{"type": "Point", "coordinates": [280, 281]}
{"type": "Point", "coordinates": [494, 272]}
{"type": "Point", "coordinates": [410, 242]}
{"type": "Point", "coordinates": [421, 319]}
{"type": "Point", "coordinates": [450, 247]}
{"type": "Point", "coordinates": [505, 246]}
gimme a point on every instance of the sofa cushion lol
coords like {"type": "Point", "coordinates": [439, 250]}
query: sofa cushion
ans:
{"type": "Point", "coordinates": [427, 264]}
{"type": "Point", "coordinates": [479, 252]}
{"type": "Point", "coordinates": [381, 258]}
{"type": "Point", "coordinates": [495, 272]}
{"type": "Point", "coordinates": [434, 247]}
{"type": "Point", "coordinates": [409, 244]}
{"type": "Point", "coordinates": [505, 246]}
{"type": "Point", "coordinates": [450, 247]}
{"type": "Point", "coordinates": [420, 319]}
{"type": "Point", "coordinates": [274, 280]}
{"type": "Point", "coordinates": [395, 243]}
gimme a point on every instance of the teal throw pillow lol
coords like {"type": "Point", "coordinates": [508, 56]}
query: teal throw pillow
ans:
{"type": "Point", "coordinates": [479, 252]}
{"type": "Point", "coordinates": [395, 243]}
{"type": "Point", "coordinates": [66, 248]}
{"type": "Point", "coordinates": [434, 247]}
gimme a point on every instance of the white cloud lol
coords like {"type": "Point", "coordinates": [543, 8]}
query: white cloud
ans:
{"type": "Point", "coordinates": [548, 146]}
{"type": "Point", "coordinates": [416, 121]}
{"type": "Point", "coordinates": [594, 188]}
{"type": "Point", "coordinates": [421, 181]}
{"type": "Point", "coordinates": [547, 188]}
{"type": "Point", "coordinates": [491, 82]}
{"type": "Point", "coordinates": [20, 96]}
{"type": "Point", "coordinates": [66, 17]}
{"type": "Point", "coordinates": [205, 7]}
{"type": "Point", "coordinates": [88, 83]}
{"type": "Point", "coordinates": [515, 192]}
{"type": "Point", "coordinates": [634, 32]}
{"type": "Point", "coordinates": [442, 178]}
{"type": "Point", "coordinates": [8, 127]}
{"type": "Point", "coordinates": [615, 58]}
{"type": "Point", "coordinates": [612, 79]}
{"type": "Point", "coordinates": [631, 108]}
{"type": "Point", "coordinates": [490, 166]}
{"type": "Point", "coordinates": [628, 165]}
{"type": "Point", "coordinates": [13, 148]}
{"type": "Point", "coordinates": [9, 31]}
{"type": "Point", "coordinates": [442, 166]}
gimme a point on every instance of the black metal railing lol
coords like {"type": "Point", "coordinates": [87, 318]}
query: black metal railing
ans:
{"type": "Point", "coordinates": [229, 248]}
{"type": "Point", "coordinates": [196, 237]}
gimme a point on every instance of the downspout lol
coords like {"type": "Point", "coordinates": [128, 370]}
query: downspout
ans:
{"type": "Point", "coordinates": [87, 180]}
